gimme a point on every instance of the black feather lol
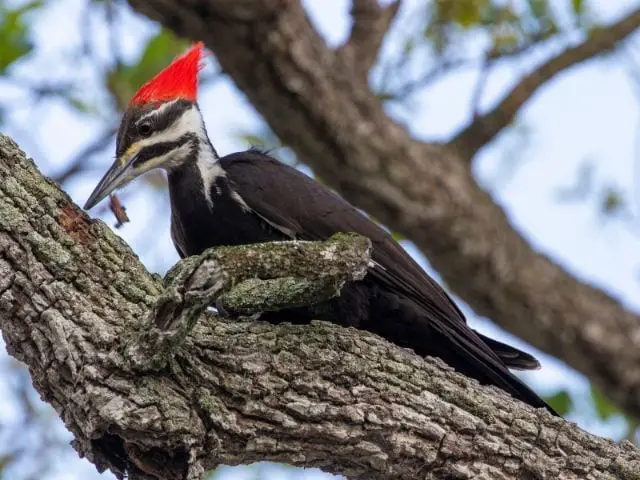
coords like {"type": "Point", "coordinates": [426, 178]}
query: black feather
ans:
{"type": "Point", "coordinates": [396, 300]}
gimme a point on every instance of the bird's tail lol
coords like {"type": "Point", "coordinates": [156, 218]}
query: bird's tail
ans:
{"type": "Point", "coordinates": [429, 332]}
{"type": "Point", "coordinates": [511, 356]}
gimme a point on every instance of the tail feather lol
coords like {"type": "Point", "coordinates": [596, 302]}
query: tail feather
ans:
{"type": "Point", "coordinates": [489, 370]}
{"type": "Point", "coordinates": [428, 332]}
{"type": "Point", "coordinates": [511, 356]}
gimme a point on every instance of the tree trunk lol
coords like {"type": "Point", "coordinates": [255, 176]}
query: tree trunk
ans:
{"type": "Point", "coordinates": [318, 102]}
{"type": "Point", "coordinates": [75, 305]}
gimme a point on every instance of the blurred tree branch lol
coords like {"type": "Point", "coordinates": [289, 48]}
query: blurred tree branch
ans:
{"type": "Point", "coordinates": [402, 91]}
{"type": "Point", "coordinates": [78, 162]}
{"type": "Point", "coordinates": [73, 297]}
{"type": "Point", "coordinates": [370, 24]}
{"type": "Point", "coordinates": [485, 127]}
{"type": "Point", "coordinates": [427, 192]}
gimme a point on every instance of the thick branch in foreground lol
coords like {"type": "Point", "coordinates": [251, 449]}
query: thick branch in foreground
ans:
{"type": "Point", "coordinates": [484, 128]}
{"type": "Point", "coordinates": [72, 295]}
{"type": "Point", "coordinates": [246, 280]}
{"type": "Point", "coordinates": [426, 191]}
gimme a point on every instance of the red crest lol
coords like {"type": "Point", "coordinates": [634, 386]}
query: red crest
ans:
{"type": "Point", "coordinates": [178, 80]}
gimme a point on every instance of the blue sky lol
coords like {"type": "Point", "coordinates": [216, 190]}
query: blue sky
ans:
{"type": "Point", "coordinates": [589, 113]}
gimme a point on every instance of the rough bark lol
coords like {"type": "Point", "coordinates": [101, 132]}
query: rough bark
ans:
{"type": "Point", "coordinates": [242, 282]}
{"type": "Point", "coordinates": [312, 100]}
{"type": "Point", "coordinates": [74, 298]}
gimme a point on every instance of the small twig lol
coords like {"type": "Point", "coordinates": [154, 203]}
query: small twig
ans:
{"type": "Point", "coordinates": [405, 90]}
{"type": "Point", "coordinates": [78, 162]}
{"type": "Point", "coordinates": [114, 37]}
{"type": "Point", "coordinates": [634, 71]}
{"type": "Point", "coordinates": [118, 210]}
{"type": "Point", "coordinates": [478, 90]}
{"type": "Point", "coordinates": [449, 65]}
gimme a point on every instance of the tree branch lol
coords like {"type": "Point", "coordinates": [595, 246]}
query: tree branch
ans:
{"type": "Point", "coordinates": [484, 128]}
{"type": "Point", "coordinates": [425, 191]}
{"type": "Point", "coordinates": [72, 294]}
{"type": "Point", "coordinates": [371, 22]}
{"type": "Point", "coordinates": [246, 280]}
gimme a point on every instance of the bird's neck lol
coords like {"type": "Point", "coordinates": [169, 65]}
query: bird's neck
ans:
{"type": "Point", "coordinates": [207, 166]}
{"type": "Point", "coordinates": [193, 180]}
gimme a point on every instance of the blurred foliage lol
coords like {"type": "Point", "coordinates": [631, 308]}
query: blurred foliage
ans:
{"type": "Point", "coordinates": [454, 29]}
{"type": "Point", "coordinates": [439, 41]}
{"type": "Point", "coordinates": [561, 402]}
{"type": "Point", "coordinates": [14, 33]}
{"type": "Point", "coordinates": [33, 443]}
{"type": "Point", "coordinates": [509, 25]}
{"type": "Point", "coordinates": [32, 440]}
{"type": "Point", "coordinates": [610, 200]}
{"type": "Point", "coordinates": [124, 79]}
{"type": "Point", "coordinates": [602, 406]}
{"type": "Point", "coordinates": [566, 404]}
{"type": "Point", "coordinates": [264, 471]}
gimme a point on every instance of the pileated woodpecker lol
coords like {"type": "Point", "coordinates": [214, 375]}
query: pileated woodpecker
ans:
{"type": "Point", "coordinates": [249, 197]}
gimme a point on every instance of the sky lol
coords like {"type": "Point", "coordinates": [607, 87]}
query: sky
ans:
{"type": "Point", "coordinates": [589, 113]}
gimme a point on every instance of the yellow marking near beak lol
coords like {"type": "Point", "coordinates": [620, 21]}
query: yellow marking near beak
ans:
{"type": "Point", "coordinates": [129, 154]}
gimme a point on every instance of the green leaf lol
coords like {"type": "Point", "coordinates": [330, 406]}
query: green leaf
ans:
{"type": "Point", "coordinates": [539, 8]}
{"type": "Point", "coordinates": [398, 237]}
{"type": "Point", "coordinates": [385, 96]}
{"type": "Point", "coordinates": [504, 40]}
{"type": "Point", "coordinates": [612, 201]}
{"type": "Point", "coordinates": [160, 51]}
{"type": "Point", "coordinates": [254, 140]}
{"type": "Point", "coordinates": [603, 407]}
{"type": "Point", "coordinates": [7, 459]}
{"type": "Point", "coordinates": [466, 13]}
{"type": "Point", "coordinates": [578, 6]}
{"type": "Point", "coordinates": [14, 33]}
{"type": "Point", "coordinates": [408, 46]}
{"type": "Point", "coordinates": [561, 402]}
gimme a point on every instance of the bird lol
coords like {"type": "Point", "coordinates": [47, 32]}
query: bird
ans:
{"type": "Point", "coordinates": [250, 197]}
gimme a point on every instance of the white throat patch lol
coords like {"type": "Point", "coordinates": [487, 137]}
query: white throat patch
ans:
{"type": "Point", "coordinates": [190, 122]}
{"type": "Point", "coordinates": [207, 161]}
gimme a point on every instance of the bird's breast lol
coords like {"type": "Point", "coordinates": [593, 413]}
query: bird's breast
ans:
{"type": "Point", "coordinates": [221, 217]}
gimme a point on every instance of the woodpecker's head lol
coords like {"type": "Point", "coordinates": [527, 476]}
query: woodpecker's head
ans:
{"type": "Point", "coordinates": [161, 127]}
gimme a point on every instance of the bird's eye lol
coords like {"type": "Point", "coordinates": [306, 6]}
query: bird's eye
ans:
{"type": "Point", "coordinates": [145, 129]}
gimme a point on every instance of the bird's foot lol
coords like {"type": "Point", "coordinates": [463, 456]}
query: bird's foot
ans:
{"type": "Point", "coordinates": [229, 314]}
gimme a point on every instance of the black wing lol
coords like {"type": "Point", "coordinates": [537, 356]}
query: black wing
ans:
{"type": "Point", "coordinates": [268, 188]}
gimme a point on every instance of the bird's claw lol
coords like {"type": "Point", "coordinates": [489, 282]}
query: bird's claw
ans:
{"type": "Point", "coordinates": [226, 313]}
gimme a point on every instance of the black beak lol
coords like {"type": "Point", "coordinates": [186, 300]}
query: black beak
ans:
{"type": "Point", "coordinates": [115, 177]}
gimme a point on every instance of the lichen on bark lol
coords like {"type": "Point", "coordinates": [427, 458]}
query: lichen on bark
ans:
{"type": "Point", "coordinates": [246, 280]}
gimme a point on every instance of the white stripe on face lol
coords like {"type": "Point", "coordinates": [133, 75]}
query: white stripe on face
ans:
{"type": "Point", "coordinates": [169, 159]}
{"type": "Point", "coordinates": [189, 122]}
{"type": "Point", "coordinates": [158, 111]}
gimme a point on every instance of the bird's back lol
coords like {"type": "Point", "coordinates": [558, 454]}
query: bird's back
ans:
{"type": "Point", "coordinates": [397, 299]}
